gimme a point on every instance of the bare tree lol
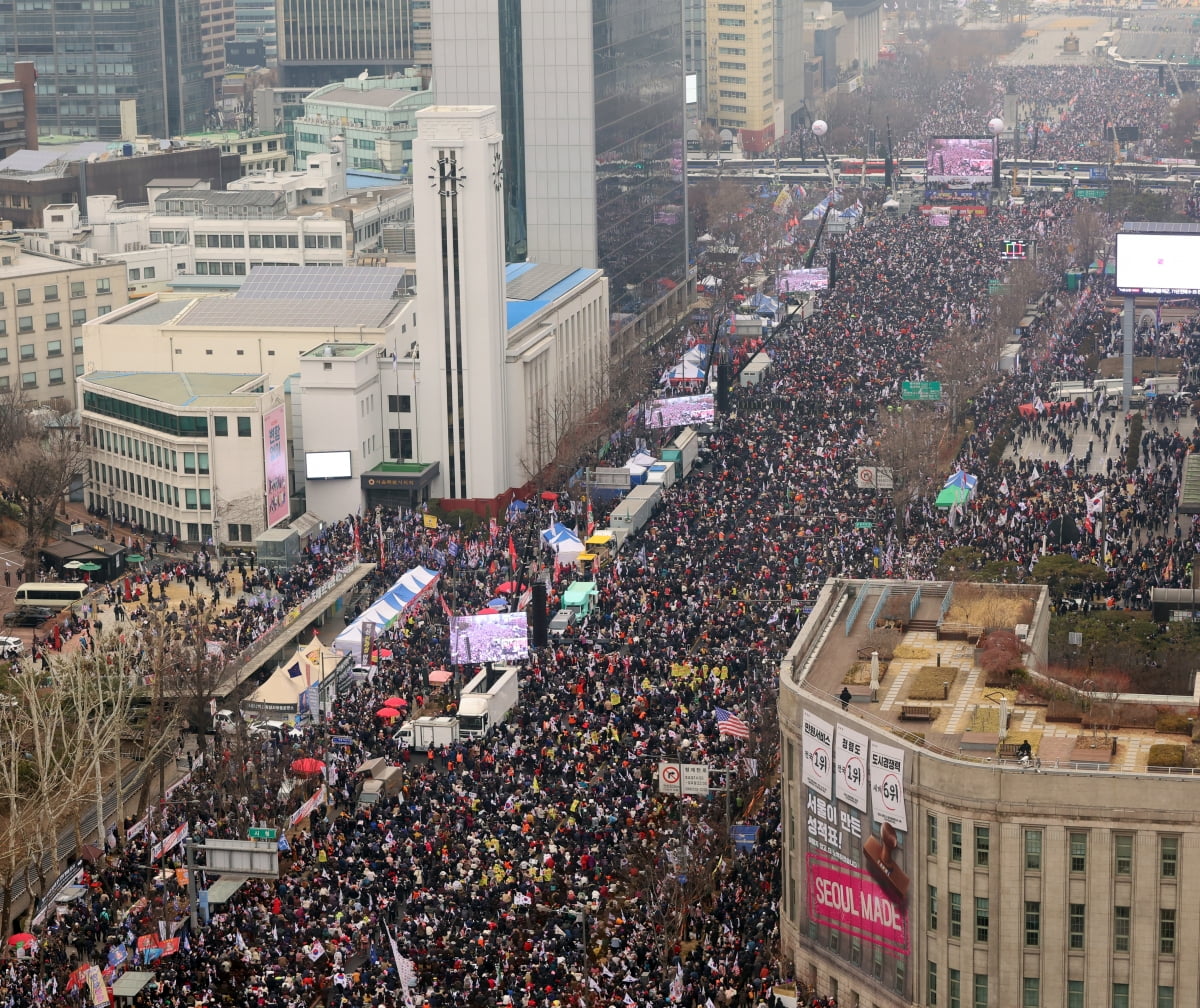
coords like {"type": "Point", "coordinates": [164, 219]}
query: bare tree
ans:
{"type": "Point", "coordinates": [45, 774]}
{"type": "Point", "coordinates": [908, 441]}
{"type": "Point", "coordinates": [39, 469]}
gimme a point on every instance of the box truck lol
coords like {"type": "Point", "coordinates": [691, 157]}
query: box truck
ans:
{"type": "Point", "coordinates": [487, 700]}
{"type": "Point", "coordinates": [635, 510]}
{"type": "Point", "coordinates": [424, 732]}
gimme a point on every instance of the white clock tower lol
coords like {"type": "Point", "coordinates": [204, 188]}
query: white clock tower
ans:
{"type": "Point", "coordinates": [458, 202]}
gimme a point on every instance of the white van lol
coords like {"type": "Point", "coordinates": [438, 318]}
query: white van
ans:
{"type": "Point", "coordinates": [53, 595]}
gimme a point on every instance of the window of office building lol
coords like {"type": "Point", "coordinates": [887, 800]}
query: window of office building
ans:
{"type": "Point", "coordinates": [1121, 928]}
{"type": "Point", "coordinates": [931, 834]}
{"type": "Point", "coordinates": [933, 908]}
{"type": "Point", "coordinates": [1076, 917]}
{"type": "Point", "coordinates": [56, 376]}
{"type": "Point", "coordinates": [982, 918]}
{"type": "Point", "coordinates": [1123, 854]}
{"type": "Point", "coordinates": [931, 983]}
{"type": "Point", "coordinates": [1033, 923]}
{"type": "Point", "coordinates": [955, 841]}
{"type": "Point", "coordinates": [955, 985]}
{"type": "Point", "coordinates": [955, 915]}
{"type": "Point", "coordinates": [50, 292]}
{"type": "Point", "coordinates": [1166, 997]}
{"type": "Point", "coordinates": [1075, 994]}
{"type": "Point", "coordinates": [1078, 852]}
{"type": "Point", "coordinates": [981, 991]}
{"type": "Point", "coordinates": [1168, 856]}
{"type": "Point", "coordinates": [1120, 995]}
{"type": "Point", "coordinates": [983, 846]}
{"type": "Point", "coordinates": [54, 348]}
{"type": "Point", "coordinates": [1166, 931]}
{"type": "Point", "coordinates": [1031, 992]}
{"type": "Point", "coordinates": [1033, 850]}
{"type": "Point", "coordinates": [221, 426]}
{"type": "Point", "coordinates": [243, 426]}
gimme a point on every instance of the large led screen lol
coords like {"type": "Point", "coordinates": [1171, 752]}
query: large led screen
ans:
{"type": "Point", "coordinates": [800, 280]}
{"type": "Point", "coordinates": [1158, 263]}
{"type": "Point", "coordinates": [489, 637]}
{"type": "Point", "coordinates": [680, 411]}
{"type": "Point", "coordinates": [959, 159]}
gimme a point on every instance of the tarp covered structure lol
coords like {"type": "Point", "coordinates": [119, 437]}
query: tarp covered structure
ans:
{"type": "Point", "coordinates": [565, 543]}
{"type": "Point", "coordinates": [411, 585]}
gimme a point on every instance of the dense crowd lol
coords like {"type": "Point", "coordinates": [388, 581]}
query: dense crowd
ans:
{"type": "Point", "coordinates": [541, 866]}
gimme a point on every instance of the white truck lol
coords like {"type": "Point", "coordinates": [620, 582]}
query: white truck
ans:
{"type": "Point", "coordinates": [635, 510]}
{"type": "Point", "coordinates": [428, 732]}
{"type": "Point", "coordinates": [487, 700]}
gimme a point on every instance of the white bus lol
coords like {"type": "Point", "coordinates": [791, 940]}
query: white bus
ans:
{"type": "Point", "coordinates": [53, 595]}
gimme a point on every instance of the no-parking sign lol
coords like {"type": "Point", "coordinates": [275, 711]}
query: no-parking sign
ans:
{"type": "Point", "coordinates": [683, 778]}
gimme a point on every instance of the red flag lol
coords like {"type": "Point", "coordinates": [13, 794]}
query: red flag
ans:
{"type": "Point", "coordinates": [512, 553]}
{"type": "Point", "coordinates": [169, 946]}
{"type": "Point", "coordinates": [445, 607]}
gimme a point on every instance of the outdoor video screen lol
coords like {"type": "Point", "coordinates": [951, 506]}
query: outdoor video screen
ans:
{"type": "Point", "coordinates": [490, 637]}
{"type": "Point", "coordinates": [959, 159]}
{"type": "Point", "coordinates": [680, 411]}
{"type": "Point", "coordinates": [1158, 263]}
{"type": "Point", "coordinates": [801, 280]}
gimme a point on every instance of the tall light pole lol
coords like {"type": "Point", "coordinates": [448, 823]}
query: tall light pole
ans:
{"type": "Point", "coordinates": [996, 127]}
{"type": "Point", "coordinates": [819, 128]}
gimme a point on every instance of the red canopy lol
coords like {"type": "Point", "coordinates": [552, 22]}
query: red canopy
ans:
{"type": "Point", "coordinates": [307, 766]}
{"type": "Point", "coordinates": [387, 713]}
{"type": "Point", "coordinates": [440, 676]}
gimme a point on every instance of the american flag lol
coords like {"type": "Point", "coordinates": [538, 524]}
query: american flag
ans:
{"type": "Point", "coordinates": [731, 724]}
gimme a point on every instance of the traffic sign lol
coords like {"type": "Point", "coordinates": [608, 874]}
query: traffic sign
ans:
{"type": "Point", "coordinates": [341, 740]}
{"type": "Point", "coordinates": [864, 525]}
{"type": "Point", "coordinates": [1091, 193]}
{"type": "Point", "coordinates": [262, 833]}
{"type": "Point", "coordinates": [683, 778]}
{"type": "Point", "coordinates": [1098, 172]}
{"type": "Point", "coordinates": [921, 391]}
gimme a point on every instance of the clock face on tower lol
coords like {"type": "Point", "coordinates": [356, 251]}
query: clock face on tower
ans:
{"type": "Point", "coordinates": [446, 176]}
{"type": "Point", "coordinates": [497, 170]}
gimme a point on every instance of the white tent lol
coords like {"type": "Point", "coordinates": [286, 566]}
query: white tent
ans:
{"type": "Point", "coordinates": [280, 695]}
{"type": "Point", "coordinates": [394, 601]}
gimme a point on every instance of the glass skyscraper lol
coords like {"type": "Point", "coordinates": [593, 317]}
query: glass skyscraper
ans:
{"type": "Point", "coordinates": [592, 110]}
{"type": "Point", "coordinates": [92, 56]}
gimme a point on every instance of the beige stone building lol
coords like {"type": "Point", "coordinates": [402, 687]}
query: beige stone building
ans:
{"type": "Point", "coordinates": [44, 302]}
{"type": "Point", "coordinates": [925, 864]}
{"type": "Point", "coordinates": [741, 70]}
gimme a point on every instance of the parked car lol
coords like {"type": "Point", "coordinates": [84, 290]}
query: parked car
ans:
{"type": "Point", "coordinates": [277, 730]}
{"type": "Point", "coordinates": [11, 647]}
{"type": "Point", "coordinates": [31, 617]}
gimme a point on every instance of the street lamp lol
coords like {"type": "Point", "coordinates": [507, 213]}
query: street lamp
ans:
{"type": "Point", "coordinates": [996, 127]}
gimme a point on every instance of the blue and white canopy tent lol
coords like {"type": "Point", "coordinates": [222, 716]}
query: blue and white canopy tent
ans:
{"type": "Point", "coordinates": [384, 612]}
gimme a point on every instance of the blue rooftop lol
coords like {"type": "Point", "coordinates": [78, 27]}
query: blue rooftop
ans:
{"type": "Point", "coordinates": [530, 287]}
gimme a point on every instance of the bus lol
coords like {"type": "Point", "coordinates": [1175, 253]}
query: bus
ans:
{"type": "Point", "coordinates": [54, 595]}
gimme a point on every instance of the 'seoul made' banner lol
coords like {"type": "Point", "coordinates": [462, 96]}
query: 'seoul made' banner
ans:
{"type": "Point", "coordinates": [847, 899]}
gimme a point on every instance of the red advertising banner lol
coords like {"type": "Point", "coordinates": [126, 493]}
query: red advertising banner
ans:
{"type": "Point", "coordinates": [849, 900]}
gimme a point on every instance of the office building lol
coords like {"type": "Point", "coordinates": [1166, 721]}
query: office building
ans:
{"type": "Point", "coordinates": [197, 455]}
{"type": "Point", "coordinates": [741, 71]}
{"type": "Point", "coordinates": [926, 863]}
{"type": "Point", "coordinates": [188, 236]}
{"type": "Point", "coordinates": [254, 21]}
{"type": "Point", "coordinates": [18, 111]}
{"type": "Point", "coordinates": [115, 71]}
{"type": "Point", "coordinates": [591, 99]}
{"type": "Point", "coordinates": [374, 116]}
{"type": "Point", "coordinates": [44, 301]}
{"type": "Point", "coordinates": [326, 40]}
